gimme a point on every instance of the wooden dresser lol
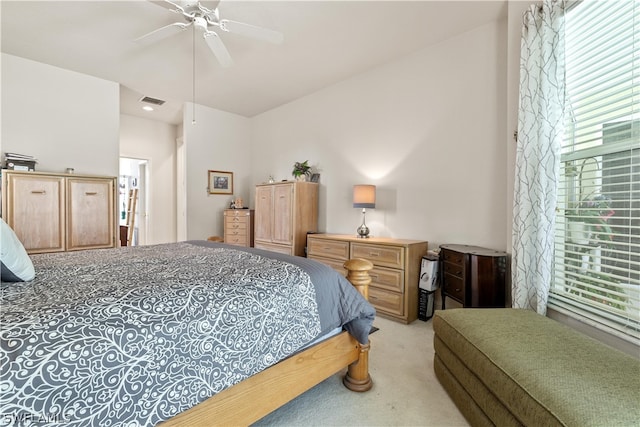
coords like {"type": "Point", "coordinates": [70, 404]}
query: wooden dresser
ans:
{"type": "Point", "coordinates": [473, 276]}
{"type": "Point", "coordinates": [395, 274]}
{"type": "Point", "coordinates": [238, 227]}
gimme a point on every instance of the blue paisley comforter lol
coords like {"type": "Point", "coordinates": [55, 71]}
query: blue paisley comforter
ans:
{"type": "Point", "coordinates": [133, 336]}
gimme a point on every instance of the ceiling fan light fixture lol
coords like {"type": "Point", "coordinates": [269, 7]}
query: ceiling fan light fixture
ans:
{"type": "Point", "coordinates": [206, 18]}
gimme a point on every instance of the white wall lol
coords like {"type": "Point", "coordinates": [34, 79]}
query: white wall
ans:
{"type": "Point", "coordinates": [63, 118]}
{"type": "Point", "coordinates": [156, 142]}
{"type": "Point", "coordinates": [218, 141]}
{"type": "Point", "coordinates": [427, 129]}
{"type": "Point", "coordinates": [515, 12]}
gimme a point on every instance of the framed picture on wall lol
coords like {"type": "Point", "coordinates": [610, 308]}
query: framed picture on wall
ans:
{"type": "Point", "coordinates": [220, 182]}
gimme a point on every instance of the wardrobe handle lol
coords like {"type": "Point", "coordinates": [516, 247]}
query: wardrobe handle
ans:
{"type": "Point", "coordinates": [90, 193]}
{"type": "Point", "coordinates": [38, 192]}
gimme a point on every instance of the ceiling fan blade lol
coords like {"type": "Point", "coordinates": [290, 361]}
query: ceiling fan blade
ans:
{"type": "Point", "coordinates": [218, 48]}
{"type": "Point", "coordinates": [173, 6]}
{"type": "Point", "coordinates": [251, 31]}
{"type": "Point", "coordinates": [209, 7]}
{"type": "Point", "coordinates": [163, 32]}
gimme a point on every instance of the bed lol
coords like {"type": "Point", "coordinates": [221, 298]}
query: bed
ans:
{"type": "Point", "coordinates": [189, 333]}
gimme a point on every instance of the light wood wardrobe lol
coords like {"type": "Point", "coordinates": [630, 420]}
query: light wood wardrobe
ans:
{"type": "Point", "coordinates": [52, 212]}
{"type": "Point", "coordinates": [284, 213]}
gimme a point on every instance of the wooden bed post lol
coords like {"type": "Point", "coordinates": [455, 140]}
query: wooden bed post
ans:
{"type": "Point", "coordinates": [357, 377]}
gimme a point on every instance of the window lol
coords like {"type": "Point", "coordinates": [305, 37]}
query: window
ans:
{"type": "Point", "coordinates": [597, 241]}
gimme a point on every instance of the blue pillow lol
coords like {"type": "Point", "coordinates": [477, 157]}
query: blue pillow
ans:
{"type": "Point", "coordinates": [16, 264]}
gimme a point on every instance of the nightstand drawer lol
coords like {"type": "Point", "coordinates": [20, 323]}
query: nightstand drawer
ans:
{"type": "Point", "coordinates": [386, 256]}
{"type": "Point", "coordinates": [235, 233]}
{"type": "Point", "coordinates": [236, 240]}
{"type": "Point", "coordinates": [328, 249]}
{"type": "Point", "coordinates": [453, 257]}
{"type": "Point", "coordinates": [454, 287]}
{"type": "Point", "coordinates": [230, 225]}
{"type": "Point", "coordinates": [237, 213]}
{"type": "Point", "coordinates": [387, 278]}
{"type": "Point", "coordinates": [386, 301]}
{"type": "Point", "coordinates": [454, 269]}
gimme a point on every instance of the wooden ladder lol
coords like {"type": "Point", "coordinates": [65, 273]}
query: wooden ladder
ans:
{"type": "Point", "coordinates": [131, 213]}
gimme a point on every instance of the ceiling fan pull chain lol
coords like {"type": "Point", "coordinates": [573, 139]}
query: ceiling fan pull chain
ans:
{"type": "Point", "coordinates": [193, 66]}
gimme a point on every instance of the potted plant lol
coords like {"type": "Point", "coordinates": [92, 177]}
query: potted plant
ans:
{"type": "Point", "coordinates": [588, 220]}
{"type": "Point", "coordinates": [301, 170]}
{"type": "Point", "coordinates": [601, 287]}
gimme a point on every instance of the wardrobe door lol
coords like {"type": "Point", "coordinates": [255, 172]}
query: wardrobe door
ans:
{"type": "Point", "coordinates": [283, 214]}
{"type": "Point", "coordinates": [263, 214]}
{"type": "Point", "coordinates": [34, 209]}
{"type": "Point", "coordinates": [91, 213]}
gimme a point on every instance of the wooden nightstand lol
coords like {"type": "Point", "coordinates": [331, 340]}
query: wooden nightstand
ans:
{"type": "Point", "coordinates": [395, 274]}
{"type": "Point", "coordinates": [238, 227]}
{"type": "Point", "coordinates": [473, 276]}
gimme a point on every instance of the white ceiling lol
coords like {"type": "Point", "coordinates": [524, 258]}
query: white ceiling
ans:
{"type": "Point", "coordinates": [324, 42]}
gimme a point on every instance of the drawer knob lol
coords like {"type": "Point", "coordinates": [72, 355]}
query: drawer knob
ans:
{"type": "Point", "coordinates": [374, 254]}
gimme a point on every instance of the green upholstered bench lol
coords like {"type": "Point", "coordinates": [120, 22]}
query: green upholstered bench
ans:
{"type": "Point", "coordinates": [515, 367]}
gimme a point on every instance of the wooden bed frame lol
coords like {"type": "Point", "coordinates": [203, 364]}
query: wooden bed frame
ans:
{"type": "Point", "coordinates": [257, 396]}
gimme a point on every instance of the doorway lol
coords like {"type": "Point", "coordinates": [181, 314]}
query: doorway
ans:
{"type": "Point", "coordinates": [181, 189]}
{"type": "Point", "coordinates": [133, 201]}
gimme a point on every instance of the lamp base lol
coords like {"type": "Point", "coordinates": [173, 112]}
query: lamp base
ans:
{"type": "Point", "coordinates": [363, 231]}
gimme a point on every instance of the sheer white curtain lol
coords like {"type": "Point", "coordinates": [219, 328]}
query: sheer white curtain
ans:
{"type": "Point", "coordinates": [540, 131]}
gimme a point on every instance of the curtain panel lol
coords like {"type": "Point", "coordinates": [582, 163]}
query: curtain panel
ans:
{"type": "Point", "coordinates": [540, 130]}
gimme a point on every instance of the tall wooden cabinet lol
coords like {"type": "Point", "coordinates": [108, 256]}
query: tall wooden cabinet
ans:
{"type": "Point", "coordinates": [284, 213]}
{"type": "Point", "coordinates": [238, 227]}
{"type": "Point", "coordinates": [396, 268]}
{"type": "Point", "coordinates": [60, 212]}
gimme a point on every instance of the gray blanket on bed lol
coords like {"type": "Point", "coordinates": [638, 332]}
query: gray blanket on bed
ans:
{"type": "Point", "coordinates": [137, 335]}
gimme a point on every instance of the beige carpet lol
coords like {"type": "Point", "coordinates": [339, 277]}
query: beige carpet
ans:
{"type": "Point", "coordinates": [405, 391]}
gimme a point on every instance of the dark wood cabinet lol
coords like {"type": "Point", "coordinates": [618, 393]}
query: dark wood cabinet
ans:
{"type": "Point", "coordinates": [473, 276]}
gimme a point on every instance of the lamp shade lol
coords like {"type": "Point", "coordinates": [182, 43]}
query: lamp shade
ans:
{"type": "Point", "coordinates": [364, 196]}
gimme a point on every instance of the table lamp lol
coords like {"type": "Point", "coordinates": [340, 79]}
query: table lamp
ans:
{"type": "Point", "coordinates": [364, 196]}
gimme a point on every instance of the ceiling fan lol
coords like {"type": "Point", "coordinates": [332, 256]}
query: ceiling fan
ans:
{"type": "Point", "coordinates": [204, 16]}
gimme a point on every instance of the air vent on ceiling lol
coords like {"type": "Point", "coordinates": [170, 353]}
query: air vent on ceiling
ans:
{"type": "Point", "coordinates": [150, 100]}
